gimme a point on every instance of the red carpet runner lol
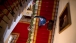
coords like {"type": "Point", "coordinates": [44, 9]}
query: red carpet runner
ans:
{"type": "Point", "coordinates": [42, 35]}
{"type": "Point", "coordinates": [46, 11]}
{"type": "Point", "coordinates": [21, 28]}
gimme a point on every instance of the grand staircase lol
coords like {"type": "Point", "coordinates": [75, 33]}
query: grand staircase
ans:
{"type": "Point", "coordinates": [47, 10]}
{"type": "Point", "coordinates": [10, 12]}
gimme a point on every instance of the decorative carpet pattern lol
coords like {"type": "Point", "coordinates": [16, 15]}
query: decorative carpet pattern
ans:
{"type": "Point", "coordinates": [14, 38]}
{"type": "Point", "coordinates": [21, 28]}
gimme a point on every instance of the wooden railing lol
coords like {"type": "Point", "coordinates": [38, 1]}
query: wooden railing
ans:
{"type": "Point", "coordinates": [32, 25]}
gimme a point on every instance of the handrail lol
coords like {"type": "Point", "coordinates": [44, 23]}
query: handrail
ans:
{"type": "Point", "coordinates": [55, 19]}
{"type": "Point", "coordinates": [31, 23]}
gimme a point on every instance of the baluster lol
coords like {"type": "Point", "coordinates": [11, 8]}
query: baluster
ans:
{"type": "Point", "coordinates": [20, 3]}
{"type": "Point", "coordinates": [4, 14]}
{"type": "Point", "coordinates": [3, 20]}
{"type": "Point", "coordinates": [0, 26]}
{"type": "Point", "coordinates": [13, 3]}
{"type": "Point", "coordinates": [17, 4]}
{"type": "Point", "coordinates": [8, 7]}
{"type": "Point", "coordinates": [26, 0]}
{"type": "Point", "coordinates": [23, 1]}
{"type": "Point", "coordinates": [2, 11]}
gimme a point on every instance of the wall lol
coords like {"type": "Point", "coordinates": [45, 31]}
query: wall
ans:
{"type": "Point", "coordinates": [69, 34]}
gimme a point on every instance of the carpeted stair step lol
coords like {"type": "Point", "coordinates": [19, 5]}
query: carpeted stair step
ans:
{"type": "Point", "coordinates": [21, 28]}
{"type": "Point", "coordinates": [41, 41]}
{"type": "Point", "coordinates": [42, 37]}
{"type": "Point", "coordinates": [41, 31]}
{"type": "Point", "coordinates": [20, 42]}
{"type": "Point", "coordinates": [22, 39]}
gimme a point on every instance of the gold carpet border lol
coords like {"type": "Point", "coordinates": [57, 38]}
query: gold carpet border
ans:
{"type": "Point", "coordinates": [53, 13]}
{"type": "Point", "coordinates": [49, 39]}
{"type": "Point", "coordinates": [17, 36]}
